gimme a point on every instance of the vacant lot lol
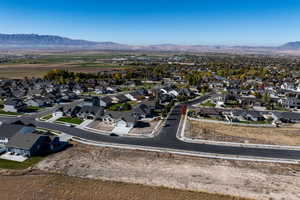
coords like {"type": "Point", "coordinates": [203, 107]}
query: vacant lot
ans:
{"type": "Point", "coordinates": [40, 185]}
{"type": "Point", "coordinates": [285, 135]}
{"type": "Point", "coordinates": [246, 179]}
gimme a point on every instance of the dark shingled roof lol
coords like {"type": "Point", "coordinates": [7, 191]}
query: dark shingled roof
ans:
{"type": "Point", "coordinates": [9, 130]}
{"type": "Point", "coordinates": [127, 116]}
{"type": "Point", "coordinates": [122, 98]}
{"type": "Point", "coordinates": [24, 141]}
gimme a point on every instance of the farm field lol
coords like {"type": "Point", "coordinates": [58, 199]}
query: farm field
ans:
{"type": "Point", "coordinates": [37, 67]}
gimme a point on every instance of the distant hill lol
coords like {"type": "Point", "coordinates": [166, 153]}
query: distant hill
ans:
{"type": "Point", "coordinates": [35, 41]}
{"type": "Point", "coordinates": [291, 46]}
{"type": "Point", "coordinates": [50, 41]}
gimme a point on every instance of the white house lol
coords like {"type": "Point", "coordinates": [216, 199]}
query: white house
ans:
{"type": "Point", "coordinates": [58, 113]}
{"type": "Point", "coordinates": [130, 97]}
{"type": "Point", "coordinates": [122, 122]}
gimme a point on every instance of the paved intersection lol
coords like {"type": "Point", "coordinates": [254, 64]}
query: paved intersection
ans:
{"type": "Point", "coordinates": [166, 138]}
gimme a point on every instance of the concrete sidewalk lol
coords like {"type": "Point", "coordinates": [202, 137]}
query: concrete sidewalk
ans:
{"type": "Point", "coordinates": [84, 123]}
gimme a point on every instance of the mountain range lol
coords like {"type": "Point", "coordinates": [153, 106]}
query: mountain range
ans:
{"type": "Point", "coordinates": [35, 41]}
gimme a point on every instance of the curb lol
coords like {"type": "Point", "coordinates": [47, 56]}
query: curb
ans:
{"type": "Point", "coordinates": [234, 144]}
{"type": "Point", "coordinates": [186, 153]}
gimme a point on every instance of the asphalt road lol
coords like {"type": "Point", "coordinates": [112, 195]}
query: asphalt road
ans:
{"type": "Point", "coordinates": [167, 138]}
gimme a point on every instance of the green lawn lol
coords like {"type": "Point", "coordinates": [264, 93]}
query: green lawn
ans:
{"type": "Point", "coordinates": [8, 164]}
{"type": "Point", "coordinates": [46, 117]}
{"type": "Point", "coordinates": [208, 104]}
{"type": "Point", "coordinates": [50, 59]}
{"type": "Point", "coordinates": [120, 107]}
{"type": "Point", "coordinates": [2, 112]}
{"type": "Point", "coordinates": [70, 120]}
{"type": "Point", "coordinates": [132, 103]}
{"type": "Point", "coordinates": [32, 109]}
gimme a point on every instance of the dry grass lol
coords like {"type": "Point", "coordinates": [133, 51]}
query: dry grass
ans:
{"type": "Point", "coordinates": [286, 135]}
{"type": "Point", "coordinates": [39, 185]}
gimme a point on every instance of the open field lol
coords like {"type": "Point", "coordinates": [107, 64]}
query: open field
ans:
{"type": "Point", "coordinates": [238, 178]}
{"type": "Point", "coordinates": [40, 185]}
{"type": "Point", "coordinates": [285, 135]}
{"type": "Point", "coordinates": [37, 67]}
{"type": "Point", "coordinates": [38, 70]}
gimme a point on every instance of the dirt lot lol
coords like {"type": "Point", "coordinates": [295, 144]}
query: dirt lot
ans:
{"type": "Point", "coordinates": [44, 186]}
{"type": "Point", "coordinates": [285, 135]}
{"type": "Point", "coordinates": [237, 178]}
{"type": "Point", "coordinates": [101, 126]}
{"type": "Point", "coordinates": [144, 128]}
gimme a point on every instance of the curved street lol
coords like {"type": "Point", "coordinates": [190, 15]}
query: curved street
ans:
{"type": "Point", "coordinates": [165, 139]}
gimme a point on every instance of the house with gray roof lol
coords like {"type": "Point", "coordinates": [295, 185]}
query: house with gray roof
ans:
{"type": "Point", "coordinates": [90, 112]}
{"type": "Point", "coordinates": [29, 144]}
{"type": "Point", "coordinates": [39, 102]}
{"type": "Point", "coordinates": [287, 117]}
{"type": "Point", "coordinates": [144, 110]}
{"type": "Point", "coordinates": [122, 98]}
{"type": "Point", "coordinates": [122, 122]}
{"type": "Point", "coordinates": [290, 103]}
{"type": "Point", "coordinates": [14, 105]}
{"type": "Point", "coordinates": [105, 101]}
{"type": "Point", "coordinates": [7, 131]}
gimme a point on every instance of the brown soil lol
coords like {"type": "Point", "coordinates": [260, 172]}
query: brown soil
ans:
{"type": "Point", "coordinates": [238, 178]}
{"type": "Point", "coordinates": [35, 184]}
{"type": "Point", "coordinates": [285, 135]}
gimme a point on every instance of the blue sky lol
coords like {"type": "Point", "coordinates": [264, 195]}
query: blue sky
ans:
{"type": "Point", "coordinates": [209, 22]}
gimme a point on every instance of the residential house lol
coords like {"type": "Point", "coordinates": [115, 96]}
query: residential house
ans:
{"type": "Point", "coordinates": [106, 101]}
{"type": "Point", "coordinates": [122, 98]}
{"type": "Point", "coordinates": [91, 101]}
{"type": "Point", "coordinates": [186, 92]}
{"type": "Point", "coordinates": [286, 117]}
{"type": "Point", "coordinates": [29, 144]}
{"type": "Point", "coordinates": [214, 113]}
{"type": "Point", "coordinates": [123, 121]}
{"type": "Point", "coordinates": [14, 105]}
{"type": "Point", "coordinates": [111, 89]}
{"type": "Point", "coordinates": [39, 102]}
{"type": "Point", "coordinates": [134, 96]}
{"type": "Point", "coordinates": [7, 131]}
{"type": "Point", "coordinates": [290, 103]}
{"type": "Point", "coordinates": [214, 85]}
{"type": "Point", "coordinates": [244, 115]}
{"type": "Point", "coordinates": [89, 112]}
{"type": "Point", "coordinates": [165, 98]}
{"type": "Point", "coordinates": [58, 112]}
{"type": "Point", "coordinates": [250, 101]}
{"type": "Point", "coordinates": [143, 111]}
